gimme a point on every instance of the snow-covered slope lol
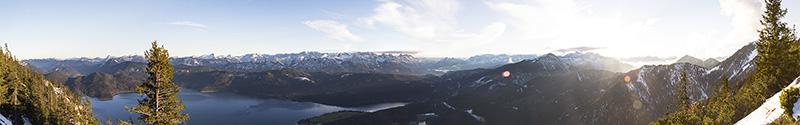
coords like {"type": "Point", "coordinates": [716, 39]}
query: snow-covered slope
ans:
{"type": "Point", "coordinates": [769, 111]}
{"type": "Point", "coordinates": [4, 120]}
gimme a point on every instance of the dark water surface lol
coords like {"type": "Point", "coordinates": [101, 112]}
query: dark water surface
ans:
{"type": "Point", "coordinates": [225, 108]}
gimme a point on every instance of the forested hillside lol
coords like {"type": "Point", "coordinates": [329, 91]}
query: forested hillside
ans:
{"type": "Point", "coordinates": [26, 96]}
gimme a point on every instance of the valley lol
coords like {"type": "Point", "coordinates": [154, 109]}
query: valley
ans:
{"type": "Point", "coordinates": [576, 88]}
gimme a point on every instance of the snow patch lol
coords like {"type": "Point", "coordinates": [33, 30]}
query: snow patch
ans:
{"type": "Point", "coordinates": [705, 96]}
{"type": "Point", "coordinates": [734, 73]}
{"type": "Point", "coordinates": [57, 90]}
{"type": "Point", "coordinates": [430, 114]}
{"type": "Point", "coordinates": [796, 109]}
{"type": "Point", "coordinates": [767, 112]}
{"type": "Point", "coordinates": [752, 55]}
{"type": "Point", "coordinates": [479, 118]}
{"type": "Point", "coordinates": [746, 66]}
{"type": "Point", "coordinates": [4, 120]}
{"type": "Point", "coordinates": [448, 106]}
{"type": "Point", "coordinates": [481, 82]}
{"type": "Point", "coordinates": [640, 78]}
{"type": "Point", "coordinates": [713, 69]}
{"type": "Point", "coordinates": [302, 78]}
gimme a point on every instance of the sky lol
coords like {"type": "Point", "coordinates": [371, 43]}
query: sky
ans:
{"type": "Point", "coordinates": [433, 28]}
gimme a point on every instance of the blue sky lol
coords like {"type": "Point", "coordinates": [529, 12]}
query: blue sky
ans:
{"type": "Point", "coordinates": [452, 28]}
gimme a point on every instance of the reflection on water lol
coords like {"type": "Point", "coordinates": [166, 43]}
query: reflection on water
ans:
{"type": "Point", "coordinates": [378, 107]}
{"type": "Point", "coordinates": [230, 108]}
{"type": "Point", "coordinates": [272, 103]}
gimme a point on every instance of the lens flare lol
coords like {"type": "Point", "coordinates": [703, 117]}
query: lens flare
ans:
{"type": "Point", "coordinates": [637, 104]}
{"type": "Point", "coordinates": [506, 74]}
{"type": "Point", "coordinates": [627, 79]}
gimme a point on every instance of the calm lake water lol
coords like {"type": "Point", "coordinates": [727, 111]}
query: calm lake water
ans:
{"type": "Point", "coordinates": [225, 108]}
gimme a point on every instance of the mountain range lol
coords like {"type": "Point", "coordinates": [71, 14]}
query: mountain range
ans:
{"type": "Point", "coordinates": [576, 88]}
{"type": "Point", "coordinates": [305, 61]}
{"type": "Point", "coordinates": [539, 92]}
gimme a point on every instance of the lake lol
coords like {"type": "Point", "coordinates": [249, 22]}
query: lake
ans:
{"type": "Point", "coordinates": [225, 108]}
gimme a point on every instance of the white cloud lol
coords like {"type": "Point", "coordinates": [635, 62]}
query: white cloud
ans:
{"type": "Point", "coordinates": [464, 43]}
{"type": "Point", "coordinates": [187, 23]}
{"type": "Point", "coordinates": [433, 23]}
{"type": "Point", "coordinates": [335, 30]}
{"type": "Point", "coordinates": [423, 19]}
{"type": "Point", "coordinates": [487, 34]}
{"type": "Point", "coordinates": [745, 16]}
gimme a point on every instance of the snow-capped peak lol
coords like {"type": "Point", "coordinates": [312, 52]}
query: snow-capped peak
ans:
{"type": "Point", "coordinates": [207, 56]}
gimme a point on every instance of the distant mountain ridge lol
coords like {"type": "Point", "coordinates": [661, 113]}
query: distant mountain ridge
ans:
{"type": "Point", "coordinates": [305, 61]}
{"type": "Point", "coordinates": [708, 63]}
{"type": "Point", "coordinates": [116, 74]}
{"type": "Point", "coordinates": [647, 59]}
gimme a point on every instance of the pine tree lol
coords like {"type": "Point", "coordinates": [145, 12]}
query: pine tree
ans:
{"type": "Point", "coordinates": [85, 111]}
{"type": "Point", "coordinates": [683, 99]}
{"type": "Point", "coordinates": [4, 84]}
{"type": "Point", "coordinates": [778, 64]}
{"type": "Point", "coordinates": [689, 112]}
{"type": "Point", "coordinates": [778, 60]}
{"type": "Point", "coordinates": [161, 105]}
{"type": "Point", "coordinates": [719, 109]}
